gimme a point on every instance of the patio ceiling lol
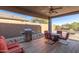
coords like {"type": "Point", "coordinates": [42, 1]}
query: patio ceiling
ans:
{"type": "Point", "coordinates": [42, 11]}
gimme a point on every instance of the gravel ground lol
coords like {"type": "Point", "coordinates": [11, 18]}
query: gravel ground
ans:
{"type": "Point", "coordinates": [74, 37]}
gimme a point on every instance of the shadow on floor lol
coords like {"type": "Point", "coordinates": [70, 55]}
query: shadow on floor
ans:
{"type": "Point", "coordinates": [39, 46]}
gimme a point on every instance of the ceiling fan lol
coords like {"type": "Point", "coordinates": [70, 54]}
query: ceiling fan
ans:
{"type": "Point", "coordinates": [53, 9]}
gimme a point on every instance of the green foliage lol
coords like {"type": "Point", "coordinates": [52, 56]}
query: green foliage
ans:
{"type": "Point", "coordinates": [57, 27]}
{"type": "Point", "coordinates": [39, 20]}
{"type": "Point", "coordinates": [74, 26]}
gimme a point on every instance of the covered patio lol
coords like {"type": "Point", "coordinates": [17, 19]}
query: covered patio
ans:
{"type": "Point", "coordinates": [43, 11]}
{"type": "Point", "coordinates": [39, 45]}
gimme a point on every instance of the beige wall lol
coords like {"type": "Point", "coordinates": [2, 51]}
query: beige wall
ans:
{"type": "Point", "coordinates": [45, 27]}
{"type": "Point", "coordinates": [12, 28]}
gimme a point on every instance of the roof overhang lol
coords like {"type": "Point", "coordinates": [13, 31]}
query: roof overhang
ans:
{"type": "Point", "coordinates": [42, 11]}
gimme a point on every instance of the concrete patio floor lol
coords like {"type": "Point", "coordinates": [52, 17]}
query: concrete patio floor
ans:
{"type": "Point", "coordinates": [39, 46]}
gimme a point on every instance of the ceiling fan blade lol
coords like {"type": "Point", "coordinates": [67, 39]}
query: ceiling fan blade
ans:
{"type": "Point", "coordinates": [57, 8]}
{"type": "Point", "coordinates": [54, 12]}
{"type": "Point", "coordinates": [53, 9]}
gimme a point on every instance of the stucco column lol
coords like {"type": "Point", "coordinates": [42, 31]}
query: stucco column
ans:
{"type": "Point", "coordinates": [50, 25]}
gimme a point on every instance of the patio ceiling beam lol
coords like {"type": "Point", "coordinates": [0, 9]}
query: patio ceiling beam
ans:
{"type": "Point", "coordinates": [66, 14]}
{"type": "Point", "coordinates": [23, 11]}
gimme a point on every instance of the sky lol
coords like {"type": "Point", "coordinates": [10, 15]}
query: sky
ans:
{"type": "Point", "coordinates": [57, 21]}
{"type": "Point", "coordinates": [17, 14]}
{"type": "Point", "coordinates": [66, 19]}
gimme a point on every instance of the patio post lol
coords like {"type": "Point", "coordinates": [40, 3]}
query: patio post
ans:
{"type": "Point", "coordinates": [50, 25]}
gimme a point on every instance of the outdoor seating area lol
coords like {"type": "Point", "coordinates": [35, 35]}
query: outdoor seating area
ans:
{"type": "Point", "coordinates": [11, 46]}
{"type": "Point", "coordinates": [39, 45]}
{"type": "Point", "coordinates": [55, 37]}
{"type": "Point", "coordinates": [31, 39]}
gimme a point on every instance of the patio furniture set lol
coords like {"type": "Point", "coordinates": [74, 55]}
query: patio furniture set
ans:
{"type": "Point", "coordinates": [55, 37]}
{"type": "Point", "coordinates": [13, 46]}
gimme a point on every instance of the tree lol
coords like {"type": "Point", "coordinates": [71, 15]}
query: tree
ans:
{"type": "Point", "coordinates": [39, 20]}
{"type": "Point", "coordinates": [57, 27]}
{"type": "Point", "coordinates": [74, 26]}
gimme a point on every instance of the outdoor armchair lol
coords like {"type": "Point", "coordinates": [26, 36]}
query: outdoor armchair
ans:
{"type": "Point", "coordinates": [12, 47]}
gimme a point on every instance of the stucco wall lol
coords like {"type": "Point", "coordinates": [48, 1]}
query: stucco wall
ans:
{"type": "Point", "coordinates": [11, 28]}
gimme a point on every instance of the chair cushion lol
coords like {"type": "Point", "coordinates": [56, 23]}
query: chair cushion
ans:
{"type": "Point", "coordinates": [65, 35]}
{"type": "Point", "coordinates": [47, 35]}
{"type": "Point", "coordinates": [10, 47]}
{"type": "Point", "coordinates": [12, 44]}
{"type": "Point", "coordinates": [3, 44]}
{"type": "Point", "coordinates": [16, 50]}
